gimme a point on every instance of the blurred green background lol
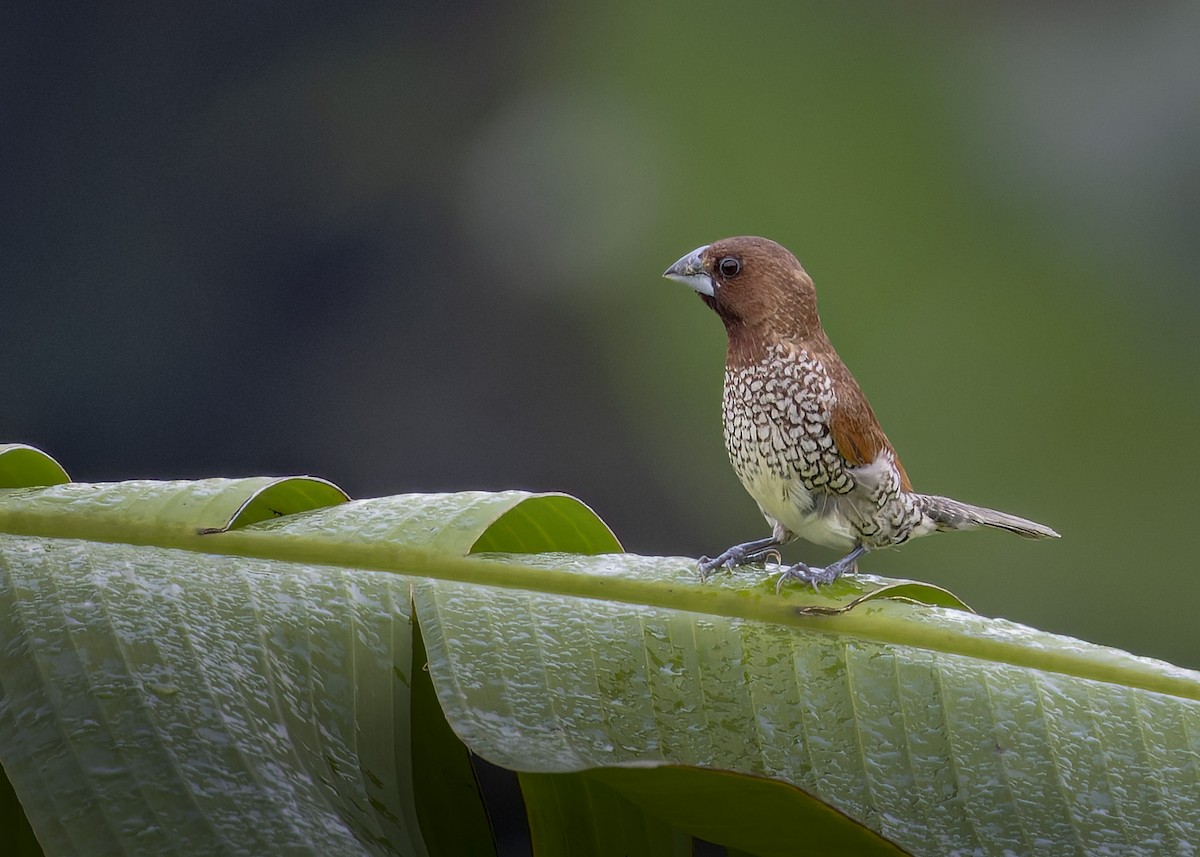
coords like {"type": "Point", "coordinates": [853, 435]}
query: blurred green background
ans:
{"type": "Point", "coordinates": [417, 248]}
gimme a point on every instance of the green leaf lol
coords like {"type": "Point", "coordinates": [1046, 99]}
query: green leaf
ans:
{"type": "Point", "coordinates": [941, 730]}
{"type": "Point", "coordinates": [161, 702]}
{"type": "Point", "coordinates": [168, 690]}
{"type": "Point", "coordinates": [160, 697]}
{"type": "Point", "coordinates": [544, 523]}
{"type": "Point", "coordinates": [581, 816]}
{"type": "Point", "coordinates": [751, 814]}
{"type": "Point", "coordinates": [23, 466]}
{"type": "Point", "coordinates": [20, 840]}
{"type": "Point", "coordinates": [449, 805]}
{"type": "Point", "coordinates": [613, 811]}
{"type": "Point", "coordinates": [240, 502]}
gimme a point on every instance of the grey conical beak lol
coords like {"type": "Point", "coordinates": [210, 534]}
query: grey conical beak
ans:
{"type": "Point", "coordinates": [690, 271]}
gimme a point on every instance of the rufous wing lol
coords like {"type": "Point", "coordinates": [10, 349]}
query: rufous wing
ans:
{"type": "Point", "coordinates": [856, 433]}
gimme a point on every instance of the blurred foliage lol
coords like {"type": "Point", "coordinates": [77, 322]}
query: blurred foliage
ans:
{"type": "Point", "coordinates": [310, 238]}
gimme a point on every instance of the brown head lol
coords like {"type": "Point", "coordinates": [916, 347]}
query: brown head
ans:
{"type": "Point", "coordinates": [755, 285]}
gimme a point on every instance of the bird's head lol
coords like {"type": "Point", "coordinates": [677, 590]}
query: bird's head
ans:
{"type": "Point", "coordinates": [753, 284]}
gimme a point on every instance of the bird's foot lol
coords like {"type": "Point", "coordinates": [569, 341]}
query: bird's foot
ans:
{"type": "Point", "coordinates": [742, 554]}
{"type": "Point", "coordinates": [810, 574]}
{"type": "Point", "coordinates": [816, 576]}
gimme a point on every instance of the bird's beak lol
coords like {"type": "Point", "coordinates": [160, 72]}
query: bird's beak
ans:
{"type": "Point", "coordinates": [690, 271]}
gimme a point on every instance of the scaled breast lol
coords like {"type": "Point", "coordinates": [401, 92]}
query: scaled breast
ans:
{"type": "Point", "coordinates": [777, 421]}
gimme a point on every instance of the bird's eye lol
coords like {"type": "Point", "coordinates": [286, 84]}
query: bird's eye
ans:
{"type": "Point", "coordinates": [729, 267]}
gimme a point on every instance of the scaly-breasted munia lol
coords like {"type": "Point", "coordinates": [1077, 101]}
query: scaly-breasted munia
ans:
{"type": "Point", "coordinates": [799, 431]}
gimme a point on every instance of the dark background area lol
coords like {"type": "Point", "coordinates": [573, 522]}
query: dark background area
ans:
{"type": "Point", "coordinates": [418, 248]}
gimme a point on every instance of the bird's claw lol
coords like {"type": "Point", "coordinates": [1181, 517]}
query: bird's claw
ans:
{"type": "Point", "coordinates": [729, 560]}
{"type": "Point", "coordinates": [816, 576]}
{"type": "Point", "coordinates": [810, 574]}
{"type": "Point", "coordinates": [707, 566]}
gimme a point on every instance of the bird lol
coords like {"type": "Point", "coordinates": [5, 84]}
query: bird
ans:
{"type": "Point", "coordinates": [800, 434]}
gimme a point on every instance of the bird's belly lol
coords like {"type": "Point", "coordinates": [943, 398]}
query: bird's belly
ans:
{"type": "Point", "coordinates": [815, 517]}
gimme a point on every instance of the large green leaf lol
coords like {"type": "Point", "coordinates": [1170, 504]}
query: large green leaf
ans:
{"type": "Point", "coordinates": [942, 730]}
{"type": "Point", "coordinates": [167, 700]}
{"type": "Point", "coordinates": [178, 680]}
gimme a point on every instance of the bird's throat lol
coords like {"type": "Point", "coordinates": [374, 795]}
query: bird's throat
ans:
{"type": "Point", "coordinates": [748, 345]}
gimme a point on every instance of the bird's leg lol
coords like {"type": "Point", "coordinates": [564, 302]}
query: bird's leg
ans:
{"type": "Point", "coordinates": [742, 554]}
{"type": "Point", "coordinates": [814, 575]}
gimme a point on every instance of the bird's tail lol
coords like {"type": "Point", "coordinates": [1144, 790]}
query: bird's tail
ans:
{"type": "Point", "coordinates": [950, 514]}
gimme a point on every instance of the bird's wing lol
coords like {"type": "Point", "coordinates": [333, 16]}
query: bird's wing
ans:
{"type": "Point", "coordinates": [855, 430]}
